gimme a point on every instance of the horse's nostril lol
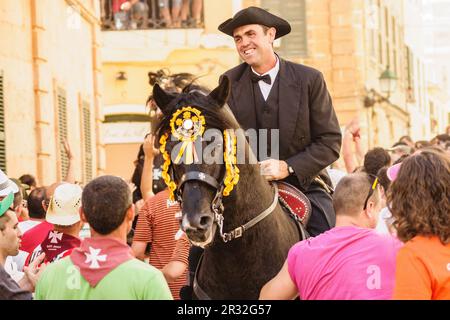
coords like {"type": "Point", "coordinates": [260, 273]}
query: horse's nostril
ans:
{"type": "Point", "coordinates": [205, 221]}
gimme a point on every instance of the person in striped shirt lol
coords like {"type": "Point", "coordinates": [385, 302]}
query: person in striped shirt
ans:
{"type": "Point", "coordinates": [158, 226]}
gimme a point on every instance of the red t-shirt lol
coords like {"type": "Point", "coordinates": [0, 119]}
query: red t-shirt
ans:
{"type": "Point", "coordinates": [34, 237]}
{"type": "Point", "coordinates": [56, 246]}
{"type": "Point", "coordinates": [117, 4]}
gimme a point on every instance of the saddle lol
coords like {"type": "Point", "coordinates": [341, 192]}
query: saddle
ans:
{"type": "Point", "coordinates": [295, 201]}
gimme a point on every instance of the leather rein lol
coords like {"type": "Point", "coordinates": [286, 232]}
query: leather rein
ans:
{"type": "Point", "coordinates": [217, 204]}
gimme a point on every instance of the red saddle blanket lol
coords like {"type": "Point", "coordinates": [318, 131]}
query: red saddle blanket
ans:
{"type": "Point", "coordinates": [295, 201]}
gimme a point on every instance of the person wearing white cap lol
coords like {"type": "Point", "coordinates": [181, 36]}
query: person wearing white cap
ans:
{"type": "Point", "coordinates": [63, 213]}
{"type": "Point", "coordinates": [6, 185]}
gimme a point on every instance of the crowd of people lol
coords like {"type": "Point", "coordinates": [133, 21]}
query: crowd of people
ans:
{"type": "Point", "coordinates": [391, 239]}
{"type": "Point", "coordinates": [143, 14]}
{"type": "Point", "coordinates": [379, 228]}
{"type": "Point", "coordinates": [392, 233]}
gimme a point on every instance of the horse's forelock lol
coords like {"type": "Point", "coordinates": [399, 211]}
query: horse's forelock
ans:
{"type": "Point", "coordinates": [216, 117]}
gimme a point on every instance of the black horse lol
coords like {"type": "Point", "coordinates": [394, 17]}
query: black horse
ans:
{"type": "Point", "coordinates": [237, 260]}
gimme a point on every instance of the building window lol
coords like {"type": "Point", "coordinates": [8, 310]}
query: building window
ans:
{"type": "Point", "coordinates": [409, 76]}
{"type": "Point", "coordinates": [380, 34]}
{"type": "Point", "coordinates": [87, 135]}
{"type": "Point", "coordinates": [388, 56]}
{"type": "Point", "coordinates": [387, 37]}
{"type": "Point", "coordinates": [394, 46]}
{"type": "Point", "coordinates": [152, 14]}
{"type": "Point", "coordinates": [392, 132]}
{"type": "Point", "coordinates": [419, 85]}
{"type": "Point", "coordinates": [293, 45]}
{"type": "Point", "coordinates": [62, 131]}
{"type": "Point", "coordinates": [2, 126]}
{"type": "Point", "coordinates": [380, 49]}
{"type": "Point", "coordinates": [372, 26]}
{"type": "Point", "coordinates": [386, 21]}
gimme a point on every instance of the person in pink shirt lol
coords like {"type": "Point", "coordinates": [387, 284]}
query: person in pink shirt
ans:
{"type": "Point", "coordinates": [348, 262]}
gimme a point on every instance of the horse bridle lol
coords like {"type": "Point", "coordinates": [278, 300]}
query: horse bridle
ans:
{"type": "Point", "coordinates": [217, 203]}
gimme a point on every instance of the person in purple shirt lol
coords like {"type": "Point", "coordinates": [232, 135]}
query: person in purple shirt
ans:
{"type": "Point", "coordinates": [348, 262]}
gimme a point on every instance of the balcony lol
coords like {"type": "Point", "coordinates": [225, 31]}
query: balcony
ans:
{"type": "Point", "coordinates": [120, 15]}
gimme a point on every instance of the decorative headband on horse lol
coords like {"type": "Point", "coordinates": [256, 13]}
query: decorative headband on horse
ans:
{"type": "Point", "coordinates": [188, 125]}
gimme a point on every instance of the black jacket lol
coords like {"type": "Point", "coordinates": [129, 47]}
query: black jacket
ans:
{"type": "Point", "coordinates": [310, 136]}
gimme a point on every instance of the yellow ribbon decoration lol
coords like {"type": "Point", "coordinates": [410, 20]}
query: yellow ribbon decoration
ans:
{"type": "Point", "coordinates": [187, 125]}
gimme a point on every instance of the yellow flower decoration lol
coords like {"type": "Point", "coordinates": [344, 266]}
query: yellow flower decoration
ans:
{"type": "Point", "coordinates": [188, 129]}
{"type": "Point", "coordinates": [232, 171]}
{"type": "Point", "coordinates": [187, 124]}
{"type": "Point", "coordinates": [165, 168]}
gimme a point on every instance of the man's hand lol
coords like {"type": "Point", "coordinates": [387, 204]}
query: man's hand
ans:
{"type": "Point", "coordinates": [33, 273]}
{"type": "Point", "coordinates": [274, 169]}
{"type": "Point", "coordinates": [149, 146]}
{"type": "Point", "coordinates": [131, 186]}
{"type": "Point", "coordinates": [67, 149]}
{"type": "Point", "coordinates": [354, 129]}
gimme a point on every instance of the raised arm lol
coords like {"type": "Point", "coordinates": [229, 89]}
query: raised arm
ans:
{"type": "Point", "coordinates": [70, 176]}
{"type": "Point", "coordinates": [352, 157]}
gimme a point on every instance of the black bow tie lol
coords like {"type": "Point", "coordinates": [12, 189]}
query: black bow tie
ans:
{"type": "Point", "coordinates": [266, 78]}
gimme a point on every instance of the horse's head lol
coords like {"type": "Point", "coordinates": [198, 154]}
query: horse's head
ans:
{"type": "Point", "coordinates": [185, 138]}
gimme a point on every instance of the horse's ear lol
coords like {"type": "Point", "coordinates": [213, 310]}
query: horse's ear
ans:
{"type": "Point", "coordinates": [162, 98]}
{"type": "Point", "coordinates": [221, 93]}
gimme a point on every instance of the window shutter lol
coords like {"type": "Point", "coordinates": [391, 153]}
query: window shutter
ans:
{"type": "Point", "coordinates": [294, 44]}
{"type": "Point", "coordinates": [2, 126]}
{"type": "Point", "coordinates": [62, 130]}
{"type": "Point", "coordinates": [87, 133]}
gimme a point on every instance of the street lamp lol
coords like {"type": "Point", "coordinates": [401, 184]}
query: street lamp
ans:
{"type": "Point", "coordinates": [121, 76]}
{"type": "Point", "coordinates": [388, 84]}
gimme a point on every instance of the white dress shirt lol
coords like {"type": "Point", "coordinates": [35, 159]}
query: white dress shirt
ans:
{"type": "Point", "coordinates": [265, 87]}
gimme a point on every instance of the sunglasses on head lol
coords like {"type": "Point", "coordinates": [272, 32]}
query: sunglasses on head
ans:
{"type": "Point", "coordinates": [372, 189]}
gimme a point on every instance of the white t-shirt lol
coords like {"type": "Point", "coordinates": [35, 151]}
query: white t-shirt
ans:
{"type": "Point", "coordinates": [12, 268]}
{"type": "Point", "coordinates": [24, 226]}
{"type": "Point", "coordinates": [335, 176]}
{"type": "Point", "coordinates": [385, 221]}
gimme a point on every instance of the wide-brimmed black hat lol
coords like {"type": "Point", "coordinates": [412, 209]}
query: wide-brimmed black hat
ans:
{"type": "Point", "coordinates": [255, 15]}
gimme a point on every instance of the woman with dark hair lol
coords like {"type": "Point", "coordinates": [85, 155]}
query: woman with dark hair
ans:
{"type": "Point", "coordinates": [419, 199]}
{"type": "Point", "coordinates": [29, 180]}
{"type": "Point", "coordinates": [137, 194]}
{"type": "Point", "coordinates": [136, 178]}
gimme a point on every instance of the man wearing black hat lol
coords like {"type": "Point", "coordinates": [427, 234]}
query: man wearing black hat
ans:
{"type": "Point", "coordinates": [270, 93]}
